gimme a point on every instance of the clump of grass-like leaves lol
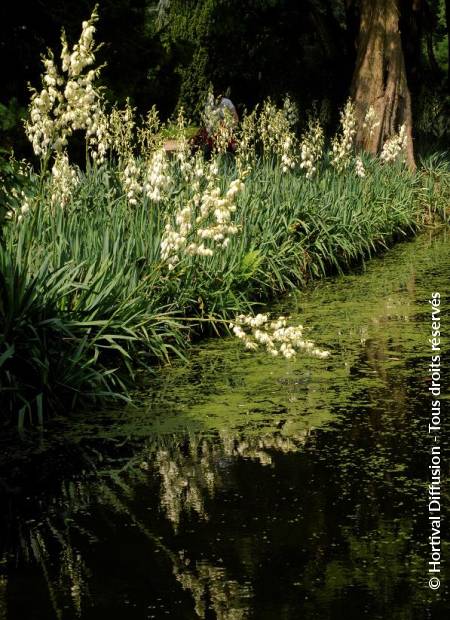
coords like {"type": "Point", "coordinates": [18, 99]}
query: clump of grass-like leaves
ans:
{"type": "Point", "coordinates": [74, 329]}
{"type": "Point", "coordinates": [110, 270]}
{"type": "Point", "coordinates": [85, 299]}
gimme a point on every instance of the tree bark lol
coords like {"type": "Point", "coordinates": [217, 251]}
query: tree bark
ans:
{"type": "Point", "coordinates": [379, 79]}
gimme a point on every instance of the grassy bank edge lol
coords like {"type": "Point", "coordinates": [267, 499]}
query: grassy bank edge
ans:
{"type": "Point", "coordinates": [87, 303]}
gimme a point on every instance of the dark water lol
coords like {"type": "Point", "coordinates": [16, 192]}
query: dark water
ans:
{"type": "Point", "coordinates": [248, 487]}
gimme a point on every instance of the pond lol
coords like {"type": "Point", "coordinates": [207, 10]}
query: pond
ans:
{"type": "Point", "coordinates": [244, 486]}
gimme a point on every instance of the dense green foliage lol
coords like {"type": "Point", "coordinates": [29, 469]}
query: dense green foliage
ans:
{"type": "Point", "coordinates": [259, 49]}
{"type": "Point", "coordinates": [86, 300]}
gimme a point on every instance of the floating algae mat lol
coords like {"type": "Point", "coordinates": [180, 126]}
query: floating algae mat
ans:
{"type": "Point", "coordinates": [244, 486]}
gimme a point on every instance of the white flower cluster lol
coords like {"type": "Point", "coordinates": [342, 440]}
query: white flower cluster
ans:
{"type": "Point", "coordinates": [276, 135]}
{"type": "Point", "coordinates": [268, 126]}
{"type": "Point", "coordinates": [157, 179]}
{"type": "Point", "coordinates": [83, 52]}
{"type": "Point", "coordinates": [206, 216]}
{"type": "Point", "coordinates": [342, 144]}
{"type": "Point", "coordinates": [371, 121]}
{"type": "Point", "coordinates": [17, 202]}
{"type": "Point", "coordinates": [311, 148]}
{"type": "Point", "coordinates": [64, 180]}
{"type": "Point", "coordinates": [395, 146]}
{"type": "Point", "coordinates": [150, 178]}
{"type": "Point", "coordinates": [65, 103]}
{"type": "Point", "coordinates": [217, 211]}
{"type": "Point", "coordinates": [246, 142]}
{"type": "Point", "coordinates": [288, 160]}
{"type": "Point", "coordinates": [99, 135]}
{"type": "Point", "coordinates": [131, 182]}
{"type": "Point", "coordinates": [359, 168]}
{"type": "Point", "coordinates": [24, 209]}
{"type": "Point", "coordinates": [44, 129]}
{"type": "Point", "coordinates": [290, 110]}
{"type": "Point", "coordinates": [121, 128]}
{"type": "Point", "coordinates": [224, 132]}
{"type": "Point", "coordinates": [18, 212]}
{"type": "Point", "coordinates": [219, 123]}
{"type": "Point", "coordinates": [185, 162]}
{"type": "Point", "coordinates": [275, 336]}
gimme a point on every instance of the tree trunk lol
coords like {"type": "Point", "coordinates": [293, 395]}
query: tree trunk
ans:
{"type": "Point", "coordinates": [379, 79]}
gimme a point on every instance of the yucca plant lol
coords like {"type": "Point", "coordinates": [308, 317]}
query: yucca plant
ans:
{"type": "Point", "coordinates": [116, 267]}
{"type": "Point", "coordinates": [75, 332]}
{"type": "Point", "coordinates": [85, 298]}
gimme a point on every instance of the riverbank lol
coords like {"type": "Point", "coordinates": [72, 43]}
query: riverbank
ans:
{"type": "Point", "coordinates": [89, 304]}
{"type": "Point", "coordinates": [339, 445]}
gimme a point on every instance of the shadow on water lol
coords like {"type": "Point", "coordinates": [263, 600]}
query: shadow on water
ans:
{"type": "Point", "coordinates": [247, 487]}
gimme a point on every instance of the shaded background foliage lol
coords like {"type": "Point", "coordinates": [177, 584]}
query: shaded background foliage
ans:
{"type": "Point", "coordinates": [169, 52]}
{"type": "Point", "coordinates": [261, 48]}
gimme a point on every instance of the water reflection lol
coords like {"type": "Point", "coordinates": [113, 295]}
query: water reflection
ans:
{"type": "Point", "coordinates": [190, 472]}
{"type": "Point", "coordinates": [247, 487]}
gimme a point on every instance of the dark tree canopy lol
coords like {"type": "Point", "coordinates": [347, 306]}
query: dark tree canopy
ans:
{"type": "Point", "coordinates": [169, 52]}
{"type": "Point", "coordinates": [260, 48]}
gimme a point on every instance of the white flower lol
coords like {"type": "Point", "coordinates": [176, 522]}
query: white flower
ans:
{"type": "Point", "coordinates": [311, 148]}
{"type": "Point", "coordinates": [157, 179]}
{"type": "Point", "coordinates": [131, 181]}
{"type": "Point", "coordinates": [64, 180]}
{"type": "Point", "coordinates": [359, 168]}
{"type": "Point", "coordinates": [342, 144]}
{"type": "Point", "coordinates": [395, 146]}
{"type": "Point", "coordinates": [275, 336]}
{"type": "Point", "coordinates": [65, 104]}
{"type": "Point", "coordinates": [371, 120]}
{"type": "Point", "coordinates": [276, 135]}
{"type": "Point", "coordinates": [206, 216]}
